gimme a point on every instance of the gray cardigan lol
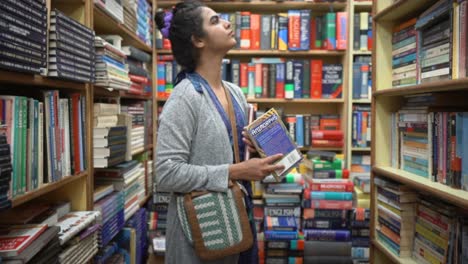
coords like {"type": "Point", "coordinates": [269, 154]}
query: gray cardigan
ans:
{"type": "Point", "coordinates": [192, 153]}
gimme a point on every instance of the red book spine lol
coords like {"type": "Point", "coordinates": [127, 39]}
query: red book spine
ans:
{"type": "Point", "coordinates": [245, 30]}
{"type": "Point", "coordinates": [138, 79]}
{"type": "Point", "coordinates": [331, 187]}
{"type": "Point", "coordinates": [254, 31]}
{"type": "Point", "coordinates": [244, 80]}
{"type": "Point", "coordinates": [280, 81]}
{"type": "Point", "coordinates": [327, 134]}
{"type": "Point", "coordinates": [313, 33]}
{"type": "Point", "coordinates": [294, 30]}
{"type": "Point", "coordinates": [327, 143]}
{"type": "Point", "coordinates": [329, 124]}
{"type": "Point", "coordinates": [167, 44]}
{"type": "Point", "coordinates": [331, 204]}
{"type": "Point", "coordinates": [341, 30]}
{"type": "Point", "coordinates": [316, 79]}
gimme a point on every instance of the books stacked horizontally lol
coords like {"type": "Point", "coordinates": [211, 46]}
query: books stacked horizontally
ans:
{"type": "Point", "coordinates": [360, 232]}
{"type": "Point", "coordinates": [112, 217]}
{"type": "Point", "coordinates": [127, 177]}
{"type": "Point", "coordinates": [138, 73]}
{"type": "Point", "coordinates": [113, 8]}
{"type": "Point", "coordinates": [129, 15]}
{"type": "Point", "coordinates": [137, 132]}
{"type": "Point", "coordinates": [282, 222]}
{"type": "Point", "coordinates": [71, 49]}
{"type": "Point", "coordinates": [78, 236]}
{"type": "Point", "coordinates": [149, 176]}
{"type": "Point", "coordinates": [404, 54]}
{"type": "Point", "coordinates": [145, 24]}
{"type": "Point", "coordinates": [111, 71]}
{"type": "Point", "coordinates": [109, 136]}
{"type": "Point", "coordinates": [361, 196]}
{"type": "Point", "coordinates": [396, 210]}
{"type": "Point", "coordinates": [327, 201]}
{"type": "Point", "coordinates": [361, 125]}
{"type": "Point", "coordinates": [138, 223]}
{"type": "Point", "coordinates": [157, 220]}
{"type": "Point", "coordinates": [438, 35]}
{"type": "Point", "coordinates": [5, 173]}
{"type": "Point", "coordinates": [24, 36]}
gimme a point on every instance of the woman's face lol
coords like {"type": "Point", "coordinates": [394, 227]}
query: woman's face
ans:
{"type": "Point", "coordinates": [219, 35]}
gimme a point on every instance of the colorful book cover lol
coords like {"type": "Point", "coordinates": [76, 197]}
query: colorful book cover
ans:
{"type": "Point", "coordinates": [332, 81]}
{"type": "Point", "coordinates": [271, 137]}
{"type": "Point", "coordinates": [14, 239]}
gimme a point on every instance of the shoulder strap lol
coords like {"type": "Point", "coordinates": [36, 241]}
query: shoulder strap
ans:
{"type": "Point", "coordinates": [232, 118]}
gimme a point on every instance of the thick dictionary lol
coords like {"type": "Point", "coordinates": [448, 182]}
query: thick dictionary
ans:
{"type": "Point", "coordinates": [270, 137]}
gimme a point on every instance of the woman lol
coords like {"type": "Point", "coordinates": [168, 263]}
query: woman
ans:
{"type": "Point", "coordinates": [194, 150]}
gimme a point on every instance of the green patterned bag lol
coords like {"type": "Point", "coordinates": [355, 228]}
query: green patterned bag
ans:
{"type": "Point", "coordinates": [215, 223]}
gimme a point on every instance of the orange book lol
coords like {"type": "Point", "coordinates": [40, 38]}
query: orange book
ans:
{"type": "Point", "coordinates": [254, 31]}
{"type": "Point", "coordinates": [404, 25]}
{"type": "Point", "coordinates": [245, 30]}
{"type": "Point", "coordinates": [244, 80]}
{"type": "Point", "coordinates": [294, 29]}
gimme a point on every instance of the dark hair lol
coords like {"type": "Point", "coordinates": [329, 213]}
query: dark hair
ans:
{"type": "Point", "coordinates": [186, 22]}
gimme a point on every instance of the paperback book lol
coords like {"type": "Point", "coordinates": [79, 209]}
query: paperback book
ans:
{"type": "Point", "coordinates": [270, 137]}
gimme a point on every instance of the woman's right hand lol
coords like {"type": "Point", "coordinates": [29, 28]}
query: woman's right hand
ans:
{"type": "Point", "coordinates": [255, 169]}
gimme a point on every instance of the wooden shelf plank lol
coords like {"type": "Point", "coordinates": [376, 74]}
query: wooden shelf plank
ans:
{"type": "Point", "coordinates": [444, 192]}
{"type": "Point", "coordinates": [277, 53]}
{"type": "Point", "coordinates": [38, 80]}
{"type": "Point", "coordinates": [363, 6]}
{"type": "Point", "coordinates": [442, 86]}
{"type": "Point", "coordinates": [318, 148]}
{"type": "Point", "coordinates": [403, 9]}
{"type": "Point", "coordinates": [125, 95]}
{"type": "Point", "coordinates": [46, 188]}
{"type": "Point", "coordinates": [148, 147]}
{"type": "Point", "coordinates": [391, 255]}
{"type": "Point", "coordinates": [362, 52]}
{"type": "Point", "coordinates": [285, 101]}
{"type": "Point", "coordinates": [265, 6]}
{"type": "Point", "coordinates": [143, 202]}
{"type": "Point", "coordinates": [361, 101]}
{"type": "Point", "coordinates": [358, 149]}
{"type": "Point", "coordinates": [105, 24]}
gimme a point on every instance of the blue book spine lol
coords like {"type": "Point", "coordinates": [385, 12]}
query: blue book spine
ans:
{"type": "Point", "coordinates": [364, 93]}
{"type": "Point", "coordinates": [344, 196]}
{"type": "Point", "coordinates": [300, 130]}
{"type": "Point", "coordinates": [327, 235]}
{"type": "Point", "coordinates": [305, 29]}
{"type": "Point", "coordinates": [403, 60]}
{"type": "Point", "coordinates": [298, 77]}
{"type": "Point", "coordinates": [280, 235]}
{"type": "Point", "coordinates": [357, 76]}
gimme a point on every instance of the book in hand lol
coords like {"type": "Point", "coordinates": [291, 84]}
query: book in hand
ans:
{"type": "Point", "coordinates": [270, 137]}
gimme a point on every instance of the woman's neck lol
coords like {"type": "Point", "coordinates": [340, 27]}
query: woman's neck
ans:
{"type": "Point", "coordinates": [210, 70]}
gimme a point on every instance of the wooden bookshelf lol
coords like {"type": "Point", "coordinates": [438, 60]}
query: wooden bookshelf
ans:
{"type": "Point", "coordinates": [388, 10]}
{"type": "Point", "coordinates": [442, 86]}
{"type": "Point", "coordinates": [125, 95]}
{"type": "Point", "coordinates": [423, 185]}
{"type": "Point", "coordinates": [390, 255]}
{"type": "Point", "coordinates": [276, 53]}
{"type": "Point", "coordinates": [295, 101]}
{"type": "Point", "coordinates": [357, 149]}
{"type": "Point", "coordinates": [46, 188]}
{"type": "Point", "coordinates": [365, 6]}
{"type": "Point", "coordinates": [362, 52]}
{"type": "Point", "coordinates": [105, 24]}
{"type": "Point", "coordinates": [319, 148]}
{"type": "Point", "coordinates": [266, 6]}
{"type": "Point", "coordinates": [143, 202]}
{"type": "Point", "coordinates": [361, 101]}
{"type": "Point", "coordinates": [10, 77]}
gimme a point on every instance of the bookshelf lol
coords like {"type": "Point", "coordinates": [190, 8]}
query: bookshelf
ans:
{"type": "Point", "coordinates": [355, 8]}
{"type": "Point", "coordinates": [387, 100]}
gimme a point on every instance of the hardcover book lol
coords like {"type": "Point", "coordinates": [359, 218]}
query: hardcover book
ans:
{"type": "Point", "coordinates": [270, 137]}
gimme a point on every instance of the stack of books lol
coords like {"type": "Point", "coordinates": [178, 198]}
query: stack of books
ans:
{"type": "Point", "coordinates": [361, 125]}
{"type": "Point", "coordinates": [396, 210]}
{"type": "Point", "coordinates": [112, 7]}
{"type": "Point", "coordinates": [127, 177]}
{"type": "Point", "coordinates": [404, 54]}
{"type": "Point", "coordinates": [5, 173]}
{"type": "Point", "coordinates": [78, 236]}
{"type": "Point", "coordinates": [138, 73]}
{"type": "Point", "coordinates": [71, 49]}
{"type": "Point", "coordinates": [144, 22]}
{"type": "Point", "coordinates": [24, 36]}
{"type": "Point", "coordinates": [111, 71]}
{"type": "Point", "coordinates": [138, 223]}
{"type": "Point", "coordinates": [111, 208]}
{"type": "Point", "coordinates": [360, 232]}
{"type": "Point", "coordinates": [109, 137]}
{"type": "Point", "coordinates": [327, 202]}
{"type": "Point", "coordinates": [130, 16]}
{"type": "Point", "coordinates": [137, 132]}
{"type": "Point", "coordinates": [157, 220]}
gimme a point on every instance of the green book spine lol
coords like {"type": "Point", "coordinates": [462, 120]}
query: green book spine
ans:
{"type": "Point", "coordinates": [306, 81]}
{"type": "Point", "coordinates": [24, 147]}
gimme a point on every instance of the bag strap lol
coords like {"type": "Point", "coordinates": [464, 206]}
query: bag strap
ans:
{"type": "Point", "coordinates": [232, 118]}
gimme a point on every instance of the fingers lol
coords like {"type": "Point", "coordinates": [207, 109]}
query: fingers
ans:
{"type": "Point", "coordinates": [273, 158]}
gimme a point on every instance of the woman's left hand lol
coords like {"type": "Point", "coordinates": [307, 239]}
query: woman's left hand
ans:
{"type": "Point", "coordinates": [250, 145]}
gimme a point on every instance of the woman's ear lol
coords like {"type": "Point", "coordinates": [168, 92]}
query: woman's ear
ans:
{"type": "Point", "coordinates": [198, 42]}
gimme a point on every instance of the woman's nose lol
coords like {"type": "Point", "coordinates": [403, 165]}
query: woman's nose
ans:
{"type": "Point", "coordinates": [227, 24]}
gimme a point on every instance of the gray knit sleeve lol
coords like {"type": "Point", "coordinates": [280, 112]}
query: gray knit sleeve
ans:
{"type": "Point", "coordinates": [177, 127]}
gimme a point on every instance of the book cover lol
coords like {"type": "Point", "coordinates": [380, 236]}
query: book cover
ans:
{"type": "Point", "coordinates": [270, 136]}
{"type": "Point", "coordinates": [14, 239]}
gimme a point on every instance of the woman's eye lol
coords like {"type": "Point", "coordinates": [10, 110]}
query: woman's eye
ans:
{"type": "Point", "coordinates": [214, 20]}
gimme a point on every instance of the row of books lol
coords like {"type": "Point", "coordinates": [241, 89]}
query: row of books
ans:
{"type": "Point", "coordinates": [269, 77]}
{"type": "Point", "coordinates": [362, 38]}
{"type": "Point", "coordinates": [362, 77]}
{"type": "Point", "coordinates": [430, 141]}
{"type": "Point", "coordinates": [46, 138]}
{"type": "Point", "coordinates": [133, 14]}
{"type": "Point", "coordinates": [432, 46]}
{"type": "Point", "coordinates": [295, 30]}
{"type": "Point", "coordinates": [412, 225]}
{"type": "Point", "coordinates": [361, 126]}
